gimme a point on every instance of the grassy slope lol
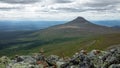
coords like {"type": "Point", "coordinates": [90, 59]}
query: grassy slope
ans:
{"type": "Point", "coordinates": [64, 45]}
{"type": "Point", "coordinates": [101, 42]}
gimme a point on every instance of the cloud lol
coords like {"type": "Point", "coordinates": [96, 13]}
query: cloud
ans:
{"type": "Point", "coordinates": [47, 8]}
{"type": "Point", "coordinates": [69, 9]}
{"type": "Point", "coordinates": [19, 1]}
{"type": "Point", "coordinates": [91, 5]}
{"type": "Point", "coordinates": [10, 8]}
{"type": "Point", "coordinates": [102, 3]}
{"type": "Point", "coordinates": [63, 1]}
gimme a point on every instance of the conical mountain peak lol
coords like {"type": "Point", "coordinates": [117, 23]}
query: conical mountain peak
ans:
{"type": "Point", "coordinates": [79, 20]}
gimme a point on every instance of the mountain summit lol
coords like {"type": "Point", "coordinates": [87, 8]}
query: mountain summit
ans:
{"type": "Point", "coordinates": [79, 20]}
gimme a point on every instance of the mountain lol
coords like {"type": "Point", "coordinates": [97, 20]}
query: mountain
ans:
{"type": "Point", "coordinates": [79, 26]}
{"type": "Point", "coordinates": [68, 38]}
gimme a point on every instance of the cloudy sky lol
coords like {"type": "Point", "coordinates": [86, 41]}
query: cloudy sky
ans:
{"type": "Point", "coordinates": [59, 9]}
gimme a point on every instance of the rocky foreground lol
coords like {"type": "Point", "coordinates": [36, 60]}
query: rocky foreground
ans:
{"type": "Point", "coordinates": [81, 59]}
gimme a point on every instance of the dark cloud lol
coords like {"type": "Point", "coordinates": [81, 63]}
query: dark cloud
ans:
{"type": "Point", "coordinates": [69, 9]}
{"type": "Point", "coordinates": [10, 8]}
{"type": "Point", "coordinates": [19, 1]}
{"type": "Point", "coordinates": [102, 3]}
{"type": "Point", "coordinates": [63, 1]}
{"type": "Point", "coordinates": [110, 7]}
